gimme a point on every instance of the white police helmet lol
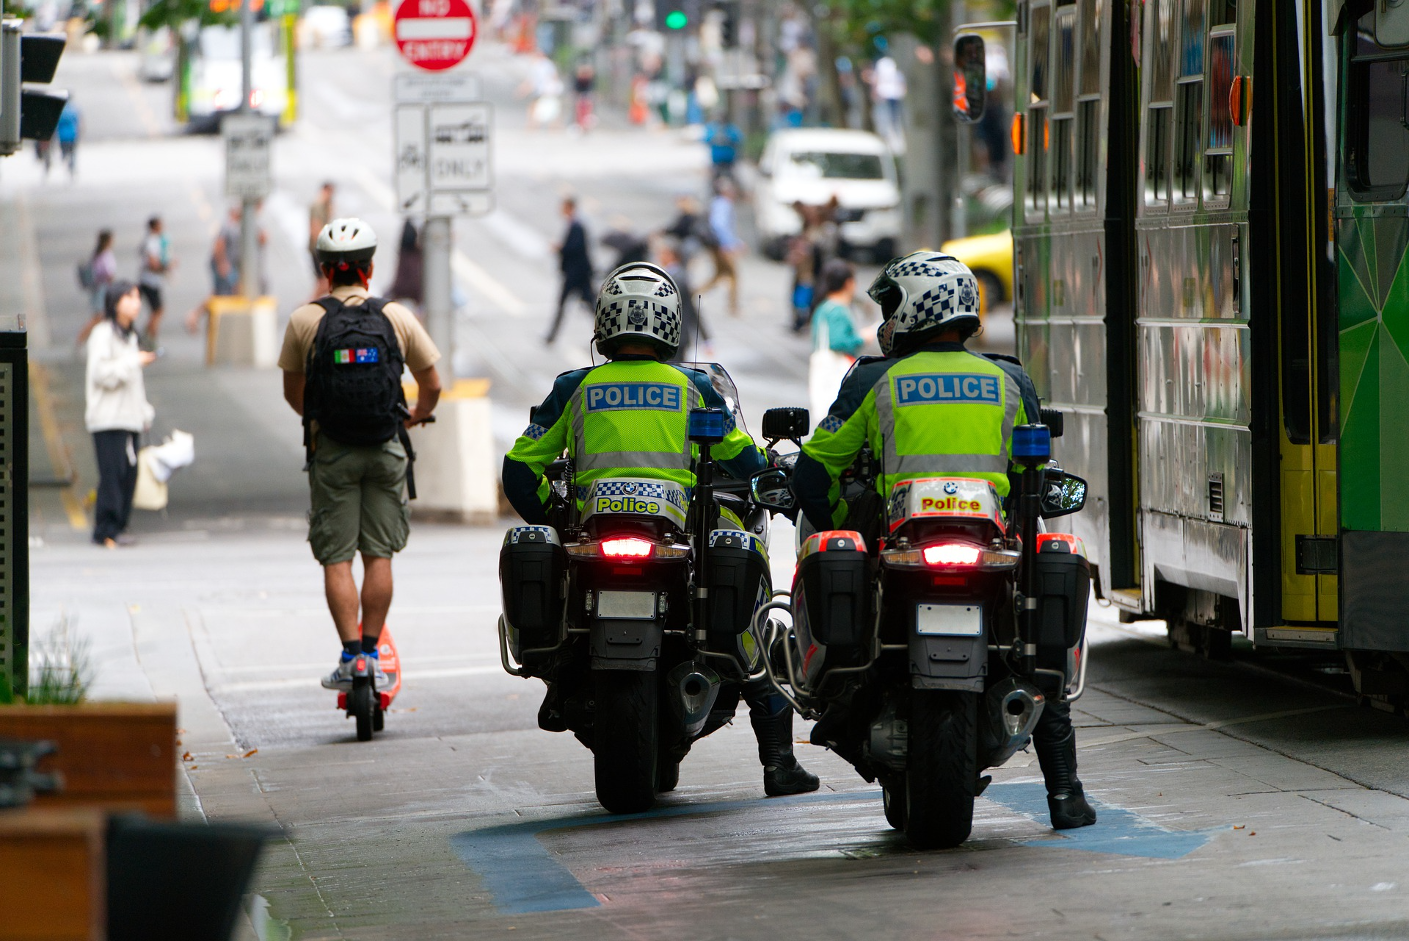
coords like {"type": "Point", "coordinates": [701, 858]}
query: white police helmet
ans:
{"type": "Point", "coordinates": [345, 242]}
{"type": "Point", "coordinates": [920, 292]}
{"type": "Point", "coordinates": [638, 301]}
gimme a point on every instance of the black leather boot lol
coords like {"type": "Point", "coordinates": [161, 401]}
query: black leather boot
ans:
{"type": "Point", "coordinates": [782, 775]}
{"type": "Point", "coordinates": [1055, 741]}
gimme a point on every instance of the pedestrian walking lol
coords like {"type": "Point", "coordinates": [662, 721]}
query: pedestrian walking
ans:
{"type": "Point", "coordinates": [102, 269]}
{"type": "Point", "coordinates": [320, 213]}
{"type": "Point", "coordinates": [694, 334]}
{"type": "Point", "coordinates": [584, 85]}
{"type": "Point", "coordinates": [689, 230]}
{"type": "Point", "coordinates": [888, 88]}
{"type": "Point", "coordinates": [545, 87]}
{"type": "Point", "coordinates": [69, 128]}
{"type": "Point", "coordinates": [575, 263]}
{"type": "Point", "coordinates": [408, 285]}
{"type": "Point", "coordinates": [724, 246]}
{"type": "Point", "coordinates": [225, 256]}
{"type": "Point", "coordinates": [342, 360]}
{"type": "Point", "coordinates": [723, 138]}
{"type": "Point", "coordinates": [154, 261]}
{"type": "Point", "coordinates": [116, 410]}
{"type": "Point", "coordinates": [835, 342]}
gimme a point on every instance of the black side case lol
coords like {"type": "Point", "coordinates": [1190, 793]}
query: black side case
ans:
{"type": "Point", "coordinates": [735, 572]}
{"type": "Point", "coordinates": [836, 584]}
{"type": "Point", "coordinates": [531, 568]}
{"type": "Point", "coordinates": [1064, 588]}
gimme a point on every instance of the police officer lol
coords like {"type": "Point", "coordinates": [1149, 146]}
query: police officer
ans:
{"type": "Point", "coordinates": [929, 303]}
{"type": "Point", "coordinates": [638, 330]}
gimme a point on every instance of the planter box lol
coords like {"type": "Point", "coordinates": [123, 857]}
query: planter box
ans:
{"type": "Point", "coordinates": [115, 756]}
{"type": "Point", "coordinates": [52, 875]}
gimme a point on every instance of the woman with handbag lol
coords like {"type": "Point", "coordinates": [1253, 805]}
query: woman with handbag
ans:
{"type": "Point", "coordinates": [100, 269]}
{"type": "Point", "coordinates": [117, 410]}
{"type": "Point", "coordinates": [835, 341]}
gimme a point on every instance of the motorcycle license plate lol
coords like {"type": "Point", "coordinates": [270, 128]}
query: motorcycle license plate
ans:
{"type": "Point", "coordinates": [952, 620]}
{"type": "Point", "coordinates": [636, 605]}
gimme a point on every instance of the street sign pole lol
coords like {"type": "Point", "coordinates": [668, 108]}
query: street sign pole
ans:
{"type": "Point", "coordinates": [437, 238]}
{"type": "Point", "coordinates": [249, 226]}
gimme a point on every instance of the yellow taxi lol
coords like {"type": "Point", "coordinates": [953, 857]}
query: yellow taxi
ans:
{"type": "Point", "coordinates": [991, 259]}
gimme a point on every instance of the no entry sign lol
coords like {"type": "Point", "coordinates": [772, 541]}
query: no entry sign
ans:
{"type": "Point", "coordinates": [434, 34]}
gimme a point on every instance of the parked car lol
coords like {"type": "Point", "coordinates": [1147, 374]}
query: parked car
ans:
{"type": "Point", "coordinates": [158, 60]}
{"type": "Point", "coordinates": [215, 74]}
{"type": "Point", "coordinates": [990, 257]}
{"type": "Point", "coordinates": [811, 165]}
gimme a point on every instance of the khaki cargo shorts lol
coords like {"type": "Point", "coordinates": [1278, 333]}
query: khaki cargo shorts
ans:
{"type": "Point", "coordinates": [358, 497]}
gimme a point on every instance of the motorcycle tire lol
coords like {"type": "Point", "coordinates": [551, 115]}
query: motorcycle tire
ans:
{"type": "Point", "coordinates": [624, 738]}
{"type": "Point", "coordinates": [359, 703]}
{"type": "Point", "coordinates": [893, 799]}
{"type": "Point", "coordinates": [667, 775]}
{"type": "Point", "coordinates": [941, 768]}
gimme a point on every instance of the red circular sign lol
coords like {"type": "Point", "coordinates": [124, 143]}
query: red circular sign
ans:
{"type": "Point", "coordinates": [434, 34]}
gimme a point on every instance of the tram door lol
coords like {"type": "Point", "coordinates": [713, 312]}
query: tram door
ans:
{"type": "Point", "coordinates": [1373, 320]}
{"type": "Point", "coordinates": [1307, 330]}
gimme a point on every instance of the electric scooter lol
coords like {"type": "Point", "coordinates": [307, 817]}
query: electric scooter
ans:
{"type": "Point", "coordinates": [365, 702]}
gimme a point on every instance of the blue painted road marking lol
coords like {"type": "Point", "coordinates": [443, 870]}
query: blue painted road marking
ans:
{"type": "Point", "coordinates": [524, 877]}
{"type": "Point", "coordinates": [1117, 830]}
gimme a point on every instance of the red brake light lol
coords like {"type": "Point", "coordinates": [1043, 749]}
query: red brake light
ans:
{"type": "Point", "coordinates": [951, 553]}
{"type": "Point", "coordinates": [626, 548]}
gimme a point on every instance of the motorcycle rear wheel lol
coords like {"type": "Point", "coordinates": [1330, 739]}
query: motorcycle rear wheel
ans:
{"type": "Point", "coordinates": [624, 740]}
{"type": "Point", "coordinates": [893, 799]}
{"type": "Point", "coordinates": [941, 768]}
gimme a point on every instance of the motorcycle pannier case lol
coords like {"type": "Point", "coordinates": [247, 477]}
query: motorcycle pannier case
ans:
{"type": "Point", "coordinates": [834, 575]}
{"type": "Point", "coordinates": [738, 568]}
{"type": "Point", "coordinates": [531, 568]}
{"type": "Point", "coordinates": [1064, 588]}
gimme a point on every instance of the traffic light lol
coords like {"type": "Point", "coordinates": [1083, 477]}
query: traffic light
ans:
{"type": "Point", "coordinates": [27, 113]}
{"type": "Point", "coordinates": [675, 15]}
{"type": "Point", "coordinates": [729, 25]}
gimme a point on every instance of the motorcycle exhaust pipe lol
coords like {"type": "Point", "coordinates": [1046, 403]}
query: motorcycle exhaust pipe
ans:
{"type": "Point", "coordinates": [692, 689]}
{"type": "Point", "coordinates": [1013, 708]}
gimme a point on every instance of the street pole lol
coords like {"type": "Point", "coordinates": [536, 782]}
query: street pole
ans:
{"type": "Point", "coordinates": [249, 229]}
{"type": "Point", "coordinates": [436, 240]}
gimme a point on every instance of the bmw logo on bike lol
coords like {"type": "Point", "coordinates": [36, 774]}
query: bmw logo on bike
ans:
{"type": "Point", "coordinates": [951, 487]}
{"type": "Point", "coordinates": [629, 487]}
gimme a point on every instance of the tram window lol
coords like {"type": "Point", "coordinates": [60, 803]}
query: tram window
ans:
{"type": "Point", "coordinates": [1189, 133]}
{"type": "Point", "coordinates": [1065, 65]}
{"type": "Point", "coordinates": [1218, 162]}
{"type": "Point", "coordinates": [1090, 83]}
{"type": "Point", "coordinates": [1161, 14]}
{"type": "Point", "coordinates": [1222, 13]}
{"type": "Point", "coordinates": [1039, 88]}
{"type": "Point", "coordinates": [1060, 198]}
{"type": "Point", "coordinates": [1191, 39]}
{"type": "Point", "coordinates": [1157, 155]}
{"type": "Point", "coordinates": [1378, 136]}
{"type": "Point", "coordinates": [1088, 132]}
{"type": "Point", "coordinates": [1041, 17]}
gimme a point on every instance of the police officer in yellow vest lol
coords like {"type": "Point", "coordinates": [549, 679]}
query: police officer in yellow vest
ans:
{"type": "Point", "coordinates": [628, 418]}
{"type": "Point", "coordinates": [929, 407]}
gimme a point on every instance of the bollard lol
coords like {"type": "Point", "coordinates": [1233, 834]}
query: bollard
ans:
{"type": "Point", "coordinates": [457, 476]}
{"type": "Point", "coordinates": [242, 331]}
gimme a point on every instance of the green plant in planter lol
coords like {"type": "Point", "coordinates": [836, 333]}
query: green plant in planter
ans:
{"type": "Point", "coordinates": [61, 671]}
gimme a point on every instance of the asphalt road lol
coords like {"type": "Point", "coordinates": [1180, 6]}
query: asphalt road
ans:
{"type": "Point", "coordinates": [1236, 801]}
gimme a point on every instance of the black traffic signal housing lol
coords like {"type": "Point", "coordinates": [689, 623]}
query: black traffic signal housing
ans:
{"type": "Point", "coordinates": [729, 25]}
{"type": "Point", "coordinates": [27, 113]}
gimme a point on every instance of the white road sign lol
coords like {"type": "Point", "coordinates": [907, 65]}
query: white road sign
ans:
{"type": "Point", "coordinates": [430, 87]}
{"type": "Point", "coordinates": [442, 159]}
{"type": "Point", "coordinates": [249, 147]}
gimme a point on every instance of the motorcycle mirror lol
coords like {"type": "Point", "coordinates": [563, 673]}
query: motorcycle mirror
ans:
{"type": "Point", "coordinates": [790, 423]}
{"type": "Point", "coordinates": [772, 488]}
{"type": "Point", "coordinates": [970, 78]}
{"type": "Point", "coordinates": [1062, 493]}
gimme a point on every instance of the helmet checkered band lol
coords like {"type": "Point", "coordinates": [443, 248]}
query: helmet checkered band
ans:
{"type": "Point", "coordinates": [934, 290]}
{"type": "Point", "coordinates": [639, 300]}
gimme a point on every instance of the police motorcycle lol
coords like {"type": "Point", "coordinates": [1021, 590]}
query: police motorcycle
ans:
{"type": "Point", "coordinates": [638, 612]}
{"type": "Point", "coordinates": [929, 657]}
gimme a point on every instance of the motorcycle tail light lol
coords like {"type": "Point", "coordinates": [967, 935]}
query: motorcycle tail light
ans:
{"type": "Point", "coordinates": [952, 553]}
{"type": "Point", "coordinates": [628, 547]}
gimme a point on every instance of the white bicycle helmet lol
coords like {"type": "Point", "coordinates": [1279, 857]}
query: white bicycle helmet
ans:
{"type": "Point", "coordinates": [345, 242]}
{"type": "Point", "coordinates": [638, 301]}
{"type": "Point", "coordinates": [920, 292]}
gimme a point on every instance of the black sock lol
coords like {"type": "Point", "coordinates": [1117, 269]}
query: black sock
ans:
{"type": "Point", "coordinates": [369, 644]}
{"type": "Point", "coordinates": [352, 647]}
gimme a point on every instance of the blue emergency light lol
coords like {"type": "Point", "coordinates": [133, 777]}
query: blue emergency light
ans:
{"type": "Point", "coordinates": [1032, 444]}
{"type": "Point", "coordinates": [706, 425]}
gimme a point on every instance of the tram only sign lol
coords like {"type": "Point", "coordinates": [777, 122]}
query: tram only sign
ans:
{"type": "Point", "coordinates": [434, 34]}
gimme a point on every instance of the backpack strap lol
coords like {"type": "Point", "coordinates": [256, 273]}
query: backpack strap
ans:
{"type": "Point", "coordinates": [330, 305]}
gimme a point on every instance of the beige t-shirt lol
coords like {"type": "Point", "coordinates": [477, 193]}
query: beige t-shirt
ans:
{"type": "Point", "coordinates": [416, 346]}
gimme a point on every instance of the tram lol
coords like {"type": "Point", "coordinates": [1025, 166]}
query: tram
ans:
{"type": "Point", "coordinates": [1210, 228]}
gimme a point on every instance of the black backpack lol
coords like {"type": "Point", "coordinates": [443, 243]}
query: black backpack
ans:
{"type": "Point", "coordinates": [353, 375]}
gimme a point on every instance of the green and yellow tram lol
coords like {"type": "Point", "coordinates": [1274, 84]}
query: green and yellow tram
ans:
{"type": "Point", "coordinates": [1210, 227]}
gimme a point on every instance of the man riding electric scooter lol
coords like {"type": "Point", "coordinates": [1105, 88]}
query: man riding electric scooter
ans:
{"type": "Point", "coordinates": [637, 328]}
{"type": "Point", "coordinates": [930, 407]}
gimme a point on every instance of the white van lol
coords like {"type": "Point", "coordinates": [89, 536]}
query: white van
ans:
{"type": "Point", "coordinates": [811, 165]}
{"type": "Point", "coordinates": [215, 74]}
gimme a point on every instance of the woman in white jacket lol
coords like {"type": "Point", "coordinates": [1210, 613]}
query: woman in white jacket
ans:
{"type": "Point", "coordinates": [117, 409]}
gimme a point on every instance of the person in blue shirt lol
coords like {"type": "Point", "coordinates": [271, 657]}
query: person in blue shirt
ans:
{"type": "Point", "coordinates": [835, 342]}
{"type": "Point", "coordinates": [70, 125]}
{"type": "Point", "coordinates": [723, 138]}
{"type": "Point", "coordinates": [724, 243]}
